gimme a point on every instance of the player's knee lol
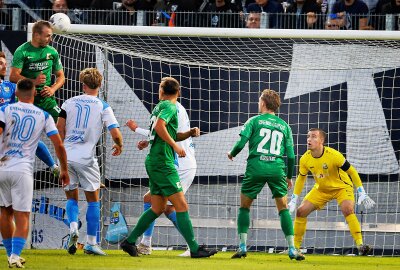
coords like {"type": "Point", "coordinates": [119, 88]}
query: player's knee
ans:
{"type": "Point", "coordinates": [347, 211]}
{"type": "Point", "coordinates": [169, 209]}
{"type": "Point", "coordinates": [147, 198]}
{"type": "Point", "coordinates": [301, 212]}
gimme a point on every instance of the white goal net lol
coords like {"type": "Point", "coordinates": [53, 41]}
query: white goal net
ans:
{"type": "Point", "coordinates": [345, 83]}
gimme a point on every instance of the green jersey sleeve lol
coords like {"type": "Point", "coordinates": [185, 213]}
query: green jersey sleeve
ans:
{"type": "Point", "coordinates": [18, 59]}
{"type": "Point", "coordinates": [167, 111]}
{"type": "Point", "coordinates": [57, 65]}
{"type": "Point", "coordinates": [247, 128]}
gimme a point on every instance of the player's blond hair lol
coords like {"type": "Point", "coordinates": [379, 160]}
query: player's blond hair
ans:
{"type": "Point", "coordinates": [271, 99]}
{"type": "Point", "coordinates": [39, 25]}
{"type": "Point", "coordinates": [169, 85]}
{"type": "Point", "coordinates": [91, 77]}
{"type": "Point", "coordinates": [321, 132]}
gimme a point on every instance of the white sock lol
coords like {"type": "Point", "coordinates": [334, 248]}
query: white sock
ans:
{"type": "Point", "coordinates": [73, 226]}
{"type": "Point", "coordinates": [290, 240]}
{"type": "Point", "coordinates": [146, 240]}
{"type": "Point", "coordinates": [54, 166]}
{"type": "Point", "coordinates": [91, 240]}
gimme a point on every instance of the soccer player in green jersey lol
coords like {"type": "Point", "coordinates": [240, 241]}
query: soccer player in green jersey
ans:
{"type": "Point", "coordinates": [37, 60]}
{"type": "Point", "coordinates": [270, 139]}
{"type": "Point", "coordinates": [164, 180]}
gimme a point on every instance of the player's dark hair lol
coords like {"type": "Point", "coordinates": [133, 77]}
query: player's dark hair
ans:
{"type": "Point", "coordinates": [321, 132]}
{"type": "Point", "coordinates": [91, 77]}
{"type": "Point", "coordinates": [25, 87]}
{"type": "Point", "coordinates": [271, 99]}
{"type": "Point", "coordinates": [39, 25]}
{"type": "Point", "coordinates": [2, 54]}
{"type": "Point", "coordinates": [169, 85]}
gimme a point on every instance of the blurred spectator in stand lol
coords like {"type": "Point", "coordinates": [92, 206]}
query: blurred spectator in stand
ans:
{"type": "Point", "coordinates": [349, 15]}
{"type": "Point", "coordinates": [5, 17]}
{"type": "Point", "coordinates": [253, 20]}
{"type": "Point", "coordinates": [273, 9]}
{"type": "Point", "coordinates": [126, 13]}
{"type": "Point", "coordinates": [184, 12]}
{"type": "Point", "coordinates": [393, 7]}
{"type": "Point", "coordinates": [61, 6]}
{"type": "Point", "coordinates": [303, 14]}
{"type": "Point", "coordinates": [222, 13]}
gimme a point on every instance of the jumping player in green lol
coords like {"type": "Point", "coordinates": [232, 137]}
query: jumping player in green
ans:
{"type": "Point", "coordinates": [163, 177]}
{"type": "Point", "coordinates": [270, 139]}
{"type": "Point", "coordinates": [37, 60]}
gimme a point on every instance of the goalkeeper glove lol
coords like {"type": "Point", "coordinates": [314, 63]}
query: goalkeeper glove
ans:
{"type": "Point", "coordinates": [364, 199]}
{"type": "Point", "coordinates": [293, 203]}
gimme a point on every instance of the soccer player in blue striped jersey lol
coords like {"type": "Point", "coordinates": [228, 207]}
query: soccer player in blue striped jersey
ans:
{"type": "Point", "coordinates": [80, 124]}
{"type": "Point", "coordinates": [7, 95]}
{"type": "Point", "coordinates": [21, 126]}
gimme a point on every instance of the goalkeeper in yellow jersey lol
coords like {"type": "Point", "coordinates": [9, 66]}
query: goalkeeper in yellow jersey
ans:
{"type": "Point", "coordinates": [334, 179]}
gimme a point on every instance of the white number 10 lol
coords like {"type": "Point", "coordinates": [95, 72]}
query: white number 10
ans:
{"type": "Point", "coordinates": [275, 144]}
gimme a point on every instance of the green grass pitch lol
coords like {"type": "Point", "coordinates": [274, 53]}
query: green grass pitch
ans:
{"type": "Point", "coordinates": [159, 260]}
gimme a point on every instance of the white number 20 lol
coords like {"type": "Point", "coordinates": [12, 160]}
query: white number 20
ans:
{"type": "Point", "coordinates": [275, 144]}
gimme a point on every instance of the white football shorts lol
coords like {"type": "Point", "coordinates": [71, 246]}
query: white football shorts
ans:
{"type": "Point", "coordinates": [16, 189]}
{"type": "Point", "coordinates": [87, 176]}
{"type": "Point", "coordinates": [186, 177]}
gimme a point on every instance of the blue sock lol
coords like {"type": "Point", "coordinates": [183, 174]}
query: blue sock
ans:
{"type": "Point", "coordinates": [72, 210]}
{"type": "Point", "coordinates": [150, 229]}
{"type": "Point", "coordinates": [172, 217]}
{"type": "Point", "coordinates": [43, 153]}
{"type": "Point", "coordinates": [18, 244]}
{"type": "Point", "coordinates": [7, 243]}
{"type": "Point", "coordinates": [93, 218]}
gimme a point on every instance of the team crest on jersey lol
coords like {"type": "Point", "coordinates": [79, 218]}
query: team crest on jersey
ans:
{"type": "Point", "coordinates": [6, 89]}
{"type": "Point", "coordinates": [48, 56]}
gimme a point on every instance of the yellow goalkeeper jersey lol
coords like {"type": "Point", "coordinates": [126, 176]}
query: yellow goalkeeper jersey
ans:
{"type": "Point", "coordinates": [326, 170]}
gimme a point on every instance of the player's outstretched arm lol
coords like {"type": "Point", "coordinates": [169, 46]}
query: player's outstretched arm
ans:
{"type": "Point", "coordinates": [61, 127]}
{"type": "Point", "coordinates": [62, 157]}
{"type": "Point", "coordinates": [193, 132]}
{"type": "Point", "coordinates": [363, 197]}
{"type": "Point", "coordinates": [142, 144]}
{"type": "Point", "coordinates": [162, 132]}
{"type": "Point", "coordinates": [239, 145]}
{"type": "Point", "coordinates": [132, 125]}
{"type": "Point", "coordinates": [117, 138]}
{"type": "Point", "coordinates": [298, 187]}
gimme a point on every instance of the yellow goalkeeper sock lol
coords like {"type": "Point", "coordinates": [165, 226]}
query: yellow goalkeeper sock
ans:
{"type": "Point", "coordinates": [300, 225]}
{"type": "Point", "coordinates": [355, 228]}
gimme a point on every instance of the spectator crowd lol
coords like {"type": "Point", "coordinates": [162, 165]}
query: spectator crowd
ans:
{"type": "Point", "coordinates": [288, 14]}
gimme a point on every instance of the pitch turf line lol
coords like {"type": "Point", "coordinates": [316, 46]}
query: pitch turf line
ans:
{"type": "Point", "coordinates": [160, 260]}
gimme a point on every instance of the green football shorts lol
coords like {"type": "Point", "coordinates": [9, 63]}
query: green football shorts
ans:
{"type": "Point", "coordinates": [253, 184]}
{"type": "Point", "coordinates": [49, 105]}
{"type": "Point", "coordinates": [163, 179]}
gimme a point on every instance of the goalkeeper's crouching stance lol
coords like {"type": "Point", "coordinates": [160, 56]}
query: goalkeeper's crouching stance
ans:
{"type": "Point", "coordinates": [334, 177]}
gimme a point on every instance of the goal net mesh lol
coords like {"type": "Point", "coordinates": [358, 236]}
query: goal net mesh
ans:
{"type": "Point", "coordinates": [349, 88]}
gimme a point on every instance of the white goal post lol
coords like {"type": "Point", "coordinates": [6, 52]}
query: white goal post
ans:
{"type": "Point", "coordinates": [346, 82]}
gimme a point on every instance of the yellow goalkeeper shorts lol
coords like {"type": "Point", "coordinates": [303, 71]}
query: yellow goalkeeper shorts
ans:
{"type": "Point", "coordinates": [319, 198]}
